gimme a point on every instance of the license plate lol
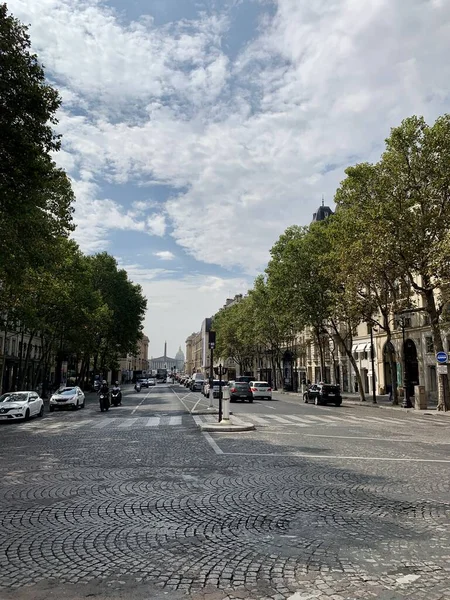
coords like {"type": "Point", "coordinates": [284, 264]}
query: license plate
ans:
{"type": "Point", "coordinates": [243, 396]}
{"type": "Point", "coordinates": [331, 393]}
{"type": "Point", "coordinates": [3, 417]}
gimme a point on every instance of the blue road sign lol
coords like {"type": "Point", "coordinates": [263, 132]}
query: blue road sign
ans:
{"type": "Point", "coordinates": [441, 357]}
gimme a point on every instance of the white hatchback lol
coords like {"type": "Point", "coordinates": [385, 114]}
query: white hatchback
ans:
{"type": "Point", "coordinates": [15, 406]}
{"type": "Point", "coordinates": [261, 389]}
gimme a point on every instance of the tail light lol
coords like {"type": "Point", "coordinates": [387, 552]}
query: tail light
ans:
{"type": "Point", "coordinates": [269, 389]}
{"type": "Point", "coordinates": [254, 389]}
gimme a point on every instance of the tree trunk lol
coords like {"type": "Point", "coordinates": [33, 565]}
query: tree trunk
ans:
{"type": "Point", "coordinates": [19, 370]}
{"type": "Point", "coordinates": [2, 371]}
{"type": "Point", "coordinates": [23, 375]}
{"type": "Point", "coordinates": [345, 342]}
{"type": "Point", "coordinates": [443, 390]}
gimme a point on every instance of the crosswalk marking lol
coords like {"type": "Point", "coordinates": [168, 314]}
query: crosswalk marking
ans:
{"type": "Point", "coordinates": [152, 422]}
{"type": "Point", "coordinates": [104, 423]}
{"type": "Point", "coordinates": [280, 419]}
{"type": "Point", "coordinates": [317, 420]}
{"type": "Point", "coordinates": [175, 420]}
{"type": "Point", "coordinates": [256, 419]}
{"type": "Point", "coordinates": [128, 422]}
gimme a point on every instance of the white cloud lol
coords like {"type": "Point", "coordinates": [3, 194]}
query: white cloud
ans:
{"type": "Point", "coordinates": [165, 255]}
{"type": "Point", "coordinates": [157, 225]}
{"type": "Point", "coordinates": [252, 143]}
{"type": "Point", "coordinates": [176, 307]}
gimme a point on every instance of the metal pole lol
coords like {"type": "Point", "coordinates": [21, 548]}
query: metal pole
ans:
{"type": "Point", "coordinates": [211, 378]}
{"type": "Point", "coordinates": [372, 358]}
{"type": "Point", "coordinates": [220, 393]}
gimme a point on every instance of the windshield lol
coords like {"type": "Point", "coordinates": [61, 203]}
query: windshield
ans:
{"type": "Point", "coordinates": [15, 397]}
{"type": "Point", "coordinates": [241, 385]}
{"type": "Point", "coordinates": [261, 384]}
{"type": "Point", "coordinates": [67, 392]}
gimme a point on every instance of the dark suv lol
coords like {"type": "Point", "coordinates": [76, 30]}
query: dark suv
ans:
{"type": "Point", "coordinates": [323, 393]}
{"type": "Point", "coordinates": [240, 390]}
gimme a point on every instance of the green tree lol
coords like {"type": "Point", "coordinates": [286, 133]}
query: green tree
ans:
{"type": "Point", "coordinates": [406, 214]}
{"type": "Point", "coordinates": [235, 336]}
{"type": "Point", "coordinates": [118, 333]}
{"type": "Point", "coordinates": [35, 196]}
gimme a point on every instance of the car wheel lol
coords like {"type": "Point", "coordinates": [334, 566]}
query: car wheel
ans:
{"type": "Point", "coordinates": [27, 415]}
{"type": "Point", "coordinates": [75, 406]}
{"type": "Point", "coordinates": [41, 412]}
{"type": "Point", "coordinates": [250, 400]}
{"type": "Point", "coordinates": [51, 408]}
{"type": "Point", "coordinates": [338, 403]}
{"type": "Point", "coordinates": [84, 402]}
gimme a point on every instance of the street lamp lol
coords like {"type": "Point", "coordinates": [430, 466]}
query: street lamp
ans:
{"type": "Point", "coordinates": [372, 360]}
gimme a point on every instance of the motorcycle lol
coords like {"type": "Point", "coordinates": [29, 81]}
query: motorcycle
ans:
{"type": "Point", "coordinates": [104, 401]}
{"type": "Point", "coordinates": [116, 397]}
{"type": "Point", "coordinates": [137, 387]}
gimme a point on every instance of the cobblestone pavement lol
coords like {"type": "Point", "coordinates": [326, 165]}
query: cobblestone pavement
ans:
{"type": "Point", "coordinates": [142, 512]}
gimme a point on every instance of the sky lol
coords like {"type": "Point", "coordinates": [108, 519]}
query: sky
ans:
{"type": "Point", "coordinates": [196, 131]}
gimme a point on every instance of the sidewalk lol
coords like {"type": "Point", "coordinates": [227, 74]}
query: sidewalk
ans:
{"type": "Point", "coordinates": [353, 399]}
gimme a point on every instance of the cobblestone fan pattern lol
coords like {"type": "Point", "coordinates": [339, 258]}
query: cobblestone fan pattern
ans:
{"type": "Point", "coordinates": [161, 508]}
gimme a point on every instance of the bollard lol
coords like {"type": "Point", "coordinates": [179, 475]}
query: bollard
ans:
{"type": "Point", "coordinates": [211, 395]}
{"type": "Point", "coordinates": [226, 405]}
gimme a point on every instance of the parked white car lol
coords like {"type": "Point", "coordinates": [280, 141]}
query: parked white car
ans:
{"type": "Point", "coordinates": [261, 389]}
{"type": "Point", "coordinates": [67, 397]}
{"type": "Point", "coordinates": [20, 406]}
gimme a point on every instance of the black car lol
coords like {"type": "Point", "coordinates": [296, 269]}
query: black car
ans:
{"type": "Point", "coordinates": [240, 390]}
{"type": "Point", "coordinates": [323, 393]}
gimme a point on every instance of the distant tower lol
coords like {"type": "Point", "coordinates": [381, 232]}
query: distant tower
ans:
{"type": "Point", "coordinates": [165, 349]}
{"type": "Point", "coordinates": [323, 212]}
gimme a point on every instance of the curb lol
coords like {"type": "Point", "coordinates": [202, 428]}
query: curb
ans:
{"type": "Point", "coordinates": [228, 428]}
{"type": "Point", "coordinates": [204, 411]}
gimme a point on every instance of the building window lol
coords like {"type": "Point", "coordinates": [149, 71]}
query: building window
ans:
{"type": "Point", "coordinates": [13, 347]}
{"type": "Point", "coordinates": [429, 345]}
{"type": "Point", "coordinates": [1, 345]}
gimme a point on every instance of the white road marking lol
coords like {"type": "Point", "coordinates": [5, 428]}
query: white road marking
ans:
{"type": "Point", "coordinates": [212, 443]}
{"type": "Point", "coordinates": [304, 420]}
{"type": "Point", "coordinates": [140, 403]}
{"type": "Point", "coordinates": [104, 423]}
{"type": "Point", "coordinates": [152, 422]}
{"type": "Point", "coordinates": [127, 422]}
{"type": "Point", "coordinates": [259, 420]}
{"type": "Point", "coordinates": [407, 459]}
{"type": "Point", "coordinates": [175, 420]}
{"type": "Point", "coordinates": [80, 423]}
{"type": "Point", "coordinates": [280, 419]}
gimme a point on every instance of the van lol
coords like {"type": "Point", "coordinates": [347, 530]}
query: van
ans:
{"type": "Point", "coordinates": [197, 382]}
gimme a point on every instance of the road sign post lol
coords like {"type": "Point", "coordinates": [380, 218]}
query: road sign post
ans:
{"type": "Point", "coordinates": [442, 358]}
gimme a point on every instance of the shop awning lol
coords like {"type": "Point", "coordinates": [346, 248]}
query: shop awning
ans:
{"type": "Point", "coordinates": [360, 347]}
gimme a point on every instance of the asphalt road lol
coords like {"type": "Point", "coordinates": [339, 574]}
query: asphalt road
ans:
{"type": "Point", "coordinates": [318, 502]}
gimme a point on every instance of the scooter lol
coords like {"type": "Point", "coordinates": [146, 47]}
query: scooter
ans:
{"type": "Point", "coordinates": [104, 401]}
{"type": "Point", "coordinates": [116, 397]}
{"type": "Point", "coordinates": [137, 387]}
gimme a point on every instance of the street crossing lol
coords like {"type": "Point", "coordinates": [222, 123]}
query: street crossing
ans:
{"type": "Point", "coordinates": [271, 420]}
{"type": "Point", "coordinates": [108, 423]}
